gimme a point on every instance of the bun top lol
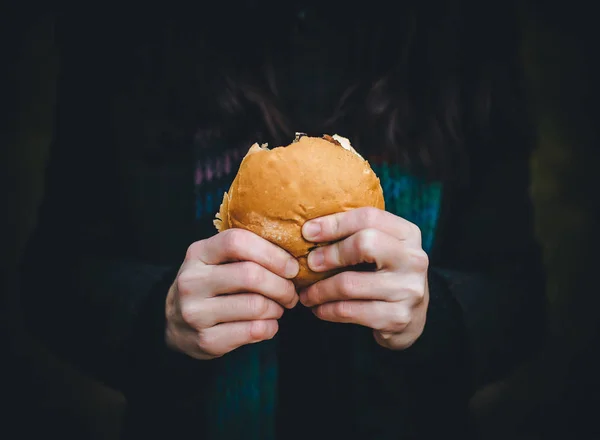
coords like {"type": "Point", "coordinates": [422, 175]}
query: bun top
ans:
{"type": "Point", "coordinates": [277, 190]}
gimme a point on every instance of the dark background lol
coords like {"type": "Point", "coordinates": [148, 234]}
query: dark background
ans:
{"type": "Point", "coordinates": [554, 396]}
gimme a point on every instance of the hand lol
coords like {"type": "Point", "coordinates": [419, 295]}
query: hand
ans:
{"type": "Point", "coordinates": [230, 291]}
{"type": "Point", "coordinates": [392, 299]}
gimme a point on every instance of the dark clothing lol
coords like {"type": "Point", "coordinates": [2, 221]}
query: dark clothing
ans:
{"type": "Point", "coordinates": [115, 224]}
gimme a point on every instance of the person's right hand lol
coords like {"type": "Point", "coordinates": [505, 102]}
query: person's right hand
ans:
{"type": "Point", "coordinates": [230, 291]}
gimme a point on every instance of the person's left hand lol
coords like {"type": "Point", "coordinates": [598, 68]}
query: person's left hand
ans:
{"type": "Point", "coordinates": [392, 299]}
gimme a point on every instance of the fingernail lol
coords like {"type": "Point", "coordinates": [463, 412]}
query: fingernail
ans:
{"type": "Point", "coordinates": [316, 259]}
{"type": "Point", "coordinates": [291, 268]}
{"type": "Point", "coordinates": [311, 230]}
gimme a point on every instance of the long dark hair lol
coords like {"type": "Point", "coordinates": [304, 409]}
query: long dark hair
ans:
{"type": "Point", "coordinates": [431, 81]}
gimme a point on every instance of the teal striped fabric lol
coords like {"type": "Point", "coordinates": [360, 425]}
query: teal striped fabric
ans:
{"type": "Point", "coordinates": [412, 198]}
{"type": "Point", "coordinates": [243, 399]}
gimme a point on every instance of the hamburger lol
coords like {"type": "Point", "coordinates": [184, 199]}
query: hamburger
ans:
{"type": "Point", "coordinates": [277, 190]}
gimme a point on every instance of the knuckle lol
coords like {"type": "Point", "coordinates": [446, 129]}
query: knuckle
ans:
{"type": "Point", "coordinates": [330, 224]}
{"type": "Point", "coordinates": [252, 274]}
{"type": "Point", "coordinates": [275, 260]}
{"type": "Point", "coordinates": [185, 283]}
{"type": "Point", "coordinates": [419, 260]}
{"type": "Point", "coordinates": [206, 343]}
{"type": "Point", "coordinates": [258, 331]}
{"type": "Point", "coordinates": [401, 318]}
{"type": "Point", "coordinates": [233, 239]}
{"type": "Point", "coordinates": [418, 294]}
{"type": "Point", "coordinates": [188, 281]}
{"type": "Point", "coordinates": [188, 313]}
{"type": "Point", "coordinates": [366, 243]}
{"type": "Point", "coordinates": [343, 309]}
{"type": "Point", "coordinates": [371, 216]}
{"type": "Point", "coordinates": [194, 249]}
{"type": "Point", "coordinates": [349, 285]}
{"type": "Point", "coordinates": [414, 230]}
{"type": "Point", "coordinates": [257, 305]}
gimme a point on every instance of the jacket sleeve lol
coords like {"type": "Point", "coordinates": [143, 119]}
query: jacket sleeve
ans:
{"type": "Point", "coordinates": [486, 311]}
{"type": "Point", "coordinates": [85, 291]}
{"type": "Point", "coordinates": [487, 285]}
{"type": "Point", "coordinates": [490, 266]}
{"type": "Point", "coordinates": [486, 277]}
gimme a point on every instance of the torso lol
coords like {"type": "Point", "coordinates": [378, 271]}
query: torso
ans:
{"type": "Point", "coordinates": [315, 358]}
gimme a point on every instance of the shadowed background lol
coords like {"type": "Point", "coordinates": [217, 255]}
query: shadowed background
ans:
{"type": "Point", "coordinates": [552, 397]}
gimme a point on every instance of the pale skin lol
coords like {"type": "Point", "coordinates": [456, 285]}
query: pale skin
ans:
{"type": "Point", "coordinates": [233, 287]}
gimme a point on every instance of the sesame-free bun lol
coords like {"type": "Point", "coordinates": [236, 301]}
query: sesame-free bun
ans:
{"type": "Point", "coordinates": [277, 190]}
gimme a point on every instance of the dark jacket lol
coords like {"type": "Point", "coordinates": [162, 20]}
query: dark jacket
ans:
{"type": "Point", "coordinates": [115, 224]}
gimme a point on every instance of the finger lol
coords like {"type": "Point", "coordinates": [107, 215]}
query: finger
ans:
{"type": "Point", "coordinates": [208, 281]}
{"type": "Point", "coordinates": [369, 246]}
{"type": "Point", "coordinates": [378, 315]}
{"type": "Point", "coordinates": [223, 338]}
{"type": "Point", "coordinates": [229, 308]}
{"type": "Point", "coordinates": [382, 286]}
{"type": "Point", "coordinates": [241, 245]}
{"type": "Point", "coordinates": [344, 224]}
